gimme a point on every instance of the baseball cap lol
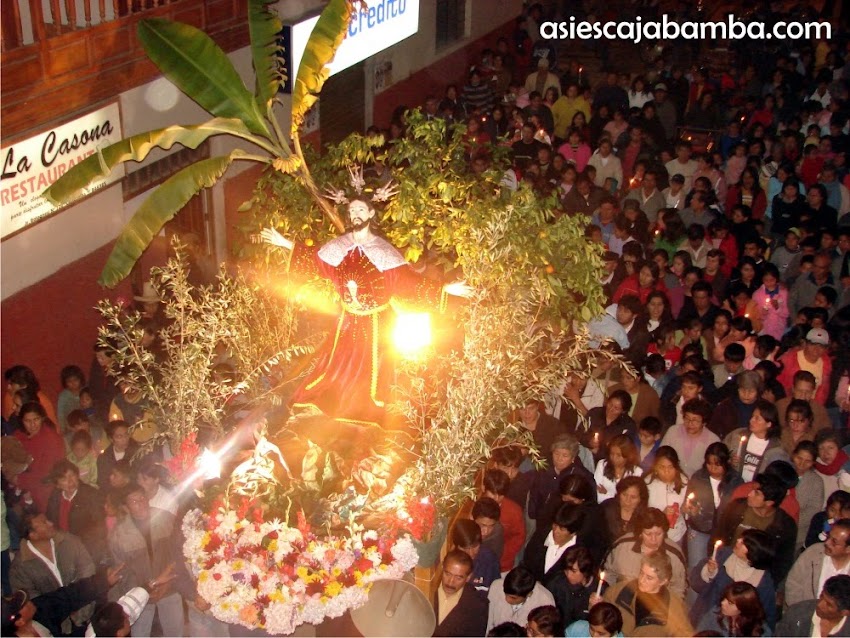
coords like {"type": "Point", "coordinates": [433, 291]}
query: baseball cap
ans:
{"type": "Point", "coordinates": [661, 86]}
{"type": "Point", "coordinates": [796, 231]}
{"type": "Point", "coordinates": [818, 336]}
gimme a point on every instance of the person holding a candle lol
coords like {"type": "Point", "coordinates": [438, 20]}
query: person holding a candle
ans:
{"type": "Point", "coordinates": [668, 487]}
{"type": "Point", "coordinates": [573, 585]}
{"type": "Point", "coordinates": [609, 421]}
{"type": "Point", "coordinates": [763, 444]}
{"type": "Point", "coordinates": [620, 462]}
{"type": "Point", "coordinates": [624, 559]}
{"type": "Point", "coordinates": [772, 299]}
{"type": "Point", "coordinates": [747, 560]}
{"type": "Point", "coordinates": [648, 606]}
{"type": "Point", "coordinates": [712, 487]}
{"type": "Point", "coordinates": [761, 510]}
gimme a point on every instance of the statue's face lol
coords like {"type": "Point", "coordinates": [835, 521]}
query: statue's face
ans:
{"type": "Point", "coordinates": [360, 213]}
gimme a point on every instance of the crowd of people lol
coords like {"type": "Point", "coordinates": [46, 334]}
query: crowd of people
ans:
{"type": "Point", "coordinates": [701, 489]}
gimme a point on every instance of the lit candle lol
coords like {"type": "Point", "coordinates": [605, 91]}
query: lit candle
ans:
{"type": "Point", "coordinates": [691, 496]}
{"type": "Point", "coordinates": [579, 74]}
{"type": "Point", "coordinates": [599, 585]}
{"type": "Point", "coordinates": [596, 440]}
{"type": "Point", "coordinates": [743, 117]}
{"type": "Point", "coordinates": [741, 446]}
{"type": "Point", "coordinates": [717, 545]}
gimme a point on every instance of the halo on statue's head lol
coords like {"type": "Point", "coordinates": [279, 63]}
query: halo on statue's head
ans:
{"type": "Point", "coordinates": [378, 195]}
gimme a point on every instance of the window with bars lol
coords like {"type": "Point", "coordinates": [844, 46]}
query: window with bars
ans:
{"type": "Point", "coordinates": [451, 21]}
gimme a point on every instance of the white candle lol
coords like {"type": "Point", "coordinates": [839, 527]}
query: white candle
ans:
{"type": "Point", "coordinates": [599, 585]}
{"type": "Point", "coordinates": [717, 545]}
{"type": "Point", "coordinates": [741, 446]}
{"type": "Point", "coordinates": [596, 440]}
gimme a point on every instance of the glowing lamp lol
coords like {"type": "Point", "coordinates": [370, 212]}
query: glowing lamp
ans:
{"type": "Point", "coordinates": [412, 333]}
{"type": "Point", "coordinates": [209, 465]}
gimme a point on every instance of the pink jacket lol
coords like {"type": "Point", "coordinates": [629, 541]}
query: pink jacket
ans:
{"type": "Point", "coordinates": [578, 156]}
{"type": "Point", "coordinates": [774, 320]}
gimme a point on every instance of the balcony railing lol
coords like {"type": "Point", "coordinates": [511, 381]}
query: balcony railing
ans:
{"type": "Point", "coordinates": [63, 57]}
{"type": "Point", "coordinates": [31, 21]}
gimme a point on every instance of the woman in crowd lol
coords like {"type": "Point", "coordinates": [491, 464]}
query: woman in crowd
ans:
{"type": "Point", "coordinates": [668, 487]}
{"type": "Point", "coordinates": [740, 613]}
{"type": "Point", "coordinates": [798, 425]}
{"type": "Point", "coordinates": [809, 488]}
{"type": "Point", "coordinates": [623, 561]}
{"type": "Point", "coordinates": [45, 446]}
{"type": "Point", "coordinates": [759, 445]}
{"type": "Point", "coordinates": [833, 463]}
{"type": "Point", "coordinates": [749, 561]}
{"type": "Point", "coordinates": [657, 310]}
{"type": "Point", "coordinates": [710, 489]}
{"type": "Point", "coordinates": [620, 462]}
{"type": "Point", "coordinates": [609, 421]}
{"type": "Point", "coordinates": [648, 602]}
{"type": "Point", "coordinates": [717, 336]}
{"type": "Point", "coordinates": [620, 515]}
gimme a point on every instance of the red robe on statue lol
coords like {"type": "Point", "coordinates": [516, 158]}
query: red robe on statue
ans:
{"type": "Point", "coordinates": [353, 371]}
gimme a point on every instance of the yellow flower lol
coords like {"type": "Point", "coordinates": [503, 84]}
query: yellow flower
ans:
{"type": "Point", "coordinates": [333, 589]}
{"type": "Point", "coordinates": [301, 572]}
{"type": "Point", "coordinates": [237, 564]}
{"type": "Point", "coordinates": [272, 545]}
{"type": "Point", "coordinates": [383, 567]}
{"type": "Point", "coordinates": [276, 597]}
{"type": "Point", "coordinates": [336, 572]}
{"type": "Point", "coordinates": [203, 576]}
{"type": "Point", "coordinates": [205, 539]}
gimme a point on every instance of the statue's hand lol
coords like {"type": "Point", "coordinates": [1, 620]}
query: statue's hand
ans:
{"type": "Point", "coordinates": [271, 236]}
{"type": "Point", "coordinates": [458, 289]}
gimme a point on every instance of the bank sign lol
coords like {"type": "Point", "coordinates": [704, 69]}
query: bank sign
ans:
{"type": "Point", "coordinates": [32, 165]}
{"type": "Point", "coordinates": [370, 31]}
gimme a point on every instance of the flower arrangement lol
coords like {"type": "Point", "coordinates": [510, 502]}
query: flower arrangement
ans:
{"type": "Point", "coordinates": [267, 575]}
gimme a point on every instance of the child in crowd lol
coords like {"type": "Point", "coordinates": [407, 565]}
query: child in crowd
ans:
{"type": "Point", "coordinates": [83, 456]}
{"type": "Point", "coordinates": [649, 440]}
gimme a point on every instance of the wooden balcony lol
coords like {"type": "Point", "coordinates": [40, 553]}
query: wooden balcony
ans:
{"type": "Point", "coordinates": [61, 57]}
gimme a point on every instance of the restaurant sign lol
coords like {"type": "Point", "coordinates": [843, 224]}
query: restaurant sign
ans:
{"type": "Point", "coordinates": [30, 166]}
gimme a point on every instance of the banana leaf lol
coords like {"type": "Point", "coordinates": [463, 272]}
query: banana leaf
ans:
{"type": "Point", "coordinates": [165, 202]}
{"type": "Point", "coordinates": [136, 148]}
{"type": "Point", "coordinates": [197, 66]}
{"type": "Point", "coordinates": [325, 39]}
{"type": "Point", "coordinates": [264, 27]}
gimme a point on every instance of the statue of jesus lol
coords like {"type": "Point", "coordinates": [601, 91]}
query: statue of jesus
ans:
{"type": "Point", "coordinates": [351, 378]}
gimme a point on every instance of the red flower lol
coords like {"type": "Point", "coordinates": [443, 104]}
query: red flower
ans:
{"type": "Point", "coordinates": [217, 576]}
{"type": "Point", "coordinates": [316, 587]}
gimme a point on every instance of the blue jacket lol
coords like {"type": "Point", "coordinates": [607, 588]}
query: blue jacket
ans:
{"type": "Point", "coordinates": [708, 594]}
